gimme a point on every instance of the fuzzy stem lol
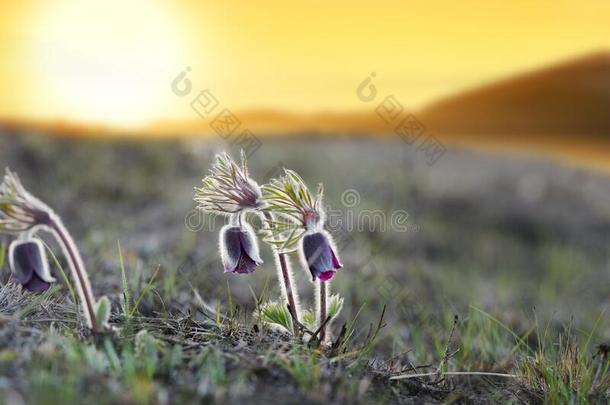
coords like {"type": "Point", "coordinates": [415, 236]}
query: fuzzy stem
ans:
{"type": "Point", "coordinates": [77, 267]}
{"type": "Point", "coordinates": [287, 279]}
{"type": "Point", "coordinates": [323, 295]}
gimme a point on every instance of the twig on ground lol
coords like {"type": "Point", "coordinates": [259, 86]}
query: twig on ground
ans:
{"type": "Point", "coordinates": [476, 373]}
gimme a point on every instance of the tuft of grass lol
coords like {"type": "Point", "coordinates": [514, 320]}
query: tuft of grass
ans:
{"type": "Point", "coordinates": [335, 305]}
{"type": "Point", "coordinates": [563, 373]}
{"type": "Point", "coordinates": [276, 314]}
{"type": "Point", "coordinates": [144, 292]}
{"type": "Point", "coordinates": [485, 343]}
{"type": "Point", "coordinates": [309, 318]}
{"type": "Point", "coordinates": [303, 366]}
{"type": "Point", "coordinates": [125, 283]}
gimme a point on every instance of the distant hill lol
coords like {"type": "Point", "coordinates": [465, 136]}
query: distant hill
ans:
{"type": "Point", "coordinates": [569, 98]}
{"type": "Point", "coordinates": [272, 121]}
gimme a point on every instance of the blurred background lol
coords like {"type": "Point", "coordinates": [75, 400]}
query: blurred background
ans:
{"type": "Point", "coordinates": [487, 123]}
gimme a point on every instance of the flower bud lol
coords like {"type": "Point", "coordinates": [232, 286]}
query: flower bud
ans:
{"type": "Point", "coordinates": [239, 249]}
{"type": "Point", "coordinates": [29, 266]}
{"type": "Point", "coordinates": [319, 255]}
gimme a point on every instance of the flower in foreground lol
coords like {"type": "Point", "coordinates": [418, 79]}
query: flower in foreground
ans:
{"type": "Point", "coordinates": [23, 214]}
{"type": "Point", "coordinates": [29, 266]}
{"type": "Point", "coordinates": [302, 226]}
{"type": "Point", "coordinates": [319, 254]}
{"type": "Point", "coordinates": [228, 190]}
{"type": "Point", "coordinates": [239, 250]}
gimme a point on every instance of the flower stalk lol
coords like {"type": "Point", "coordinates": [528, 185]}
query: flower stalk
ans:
{"type": "Point", "coordinates": [323, 309]}
{"type": "Point", "coordinates": [77, 267]}
{"type": "Point", "coordinates": [286, 278]}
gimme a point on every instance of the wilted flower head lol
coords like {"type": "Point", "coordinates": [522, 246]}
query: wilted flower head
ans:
{"type": "Point", "coordinates": [239, 249]}
{"type": "Point", "coordinates": [19, 210]}
{"type": "Point", "coordinates": [318, 253]}
{"type": "Point", "coordinates": [29, 266]}
{"type": "Point", "coordinates": [228, 189]}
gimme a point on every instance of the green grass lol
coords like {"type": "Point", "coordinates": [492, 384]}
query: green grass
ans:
{"type": "Point", "coordinates": [526, 305]}
{"type": "Point", "coordinates": [2, 254]}
{"type": "Point", "coordinates": [565, 372]}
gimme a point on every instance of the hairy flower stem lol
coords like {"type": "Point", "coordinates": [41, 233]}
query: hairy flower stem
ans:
{"type": "Point", "coordinates": [323, 295]}
{"type": "Point", "coordinates": [287, 279]}
{"type": "Point", "coordinates": [77, 267]}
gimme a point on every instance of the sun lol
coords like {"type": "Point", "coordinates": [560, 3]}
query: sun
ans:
{"type": "Point", "coordinates": [106, 61]}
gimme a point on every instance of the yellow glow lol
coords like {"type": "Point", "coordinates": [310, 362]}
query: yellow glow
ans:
{"type": "Point", "coordinates": [105, 61]}
{"type": "Point", "coordinates": [113, 61]}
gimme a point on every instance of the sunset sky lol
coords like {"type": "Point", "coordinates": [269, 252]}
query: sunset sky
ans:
{"type": "Point", "coordinates": [112, 61]}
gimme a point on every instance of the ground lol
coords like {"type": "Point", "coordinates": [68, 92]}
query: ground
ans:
{"type": "Point", "coordinates": [501, 266]}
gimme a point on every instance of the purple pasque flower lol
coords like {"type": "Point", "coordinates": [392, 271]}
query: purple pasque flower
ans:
{"type": "Point", "coordinates": [29, 266]}
{"type": "Point", "coordinates": [239, 249]}
{"type": "Point", "coordinates": [318, 253]}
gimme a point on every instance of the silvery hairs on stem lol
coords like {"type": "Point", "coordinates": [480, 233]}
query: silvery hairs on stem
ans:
{"type": "Point", "coordinates": [23, 215]}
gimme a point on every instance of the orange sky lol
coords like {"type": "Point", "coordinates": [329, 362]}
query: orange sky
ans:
{"type": "Point", "coordinates": [112, 61]}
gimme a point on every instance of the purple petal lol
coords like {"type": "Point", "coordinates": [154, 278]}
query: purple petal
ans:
{"type": "Point", "coordinates": [246, 265]}
{"type": "Point", "coordinates": [21, 274]}
{"type": "Point", "coordinates": [230, 247]}
{"type": "Point", "coordinates": [239, 250]}
{"type": "Point", "coordinates": [36, 284]}
{"type": "Point", "coordinates": [319, 255]}
{"type": "Point", "coordinates": [29, 265]}
{"type": "Point", "coordinates": [249, 244]}
{"type": "Point", "coordinates": [336, 263]}
{"type": "Point", "coordinates": [327, 275]}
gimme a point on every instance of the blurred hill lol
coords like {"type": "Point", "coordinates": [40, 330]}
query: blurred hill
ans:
{"type": "Point", "coordinates": [569, 98]}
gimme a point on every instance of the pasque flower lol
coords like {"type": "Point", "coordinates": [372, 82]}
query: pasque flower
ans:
{"type": "Point", "coordinates": [23, 214]}
{"type": "Point", "coordinates": [29, 266]}
{"type": "Point", "coordinates": [228, 190]}
{"type": "Point", "coordinates": [303, 228]}
{"type": "Point", "coordinates": [239, 250]}
{"type": "Point", "coordinates": [319, 254]}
